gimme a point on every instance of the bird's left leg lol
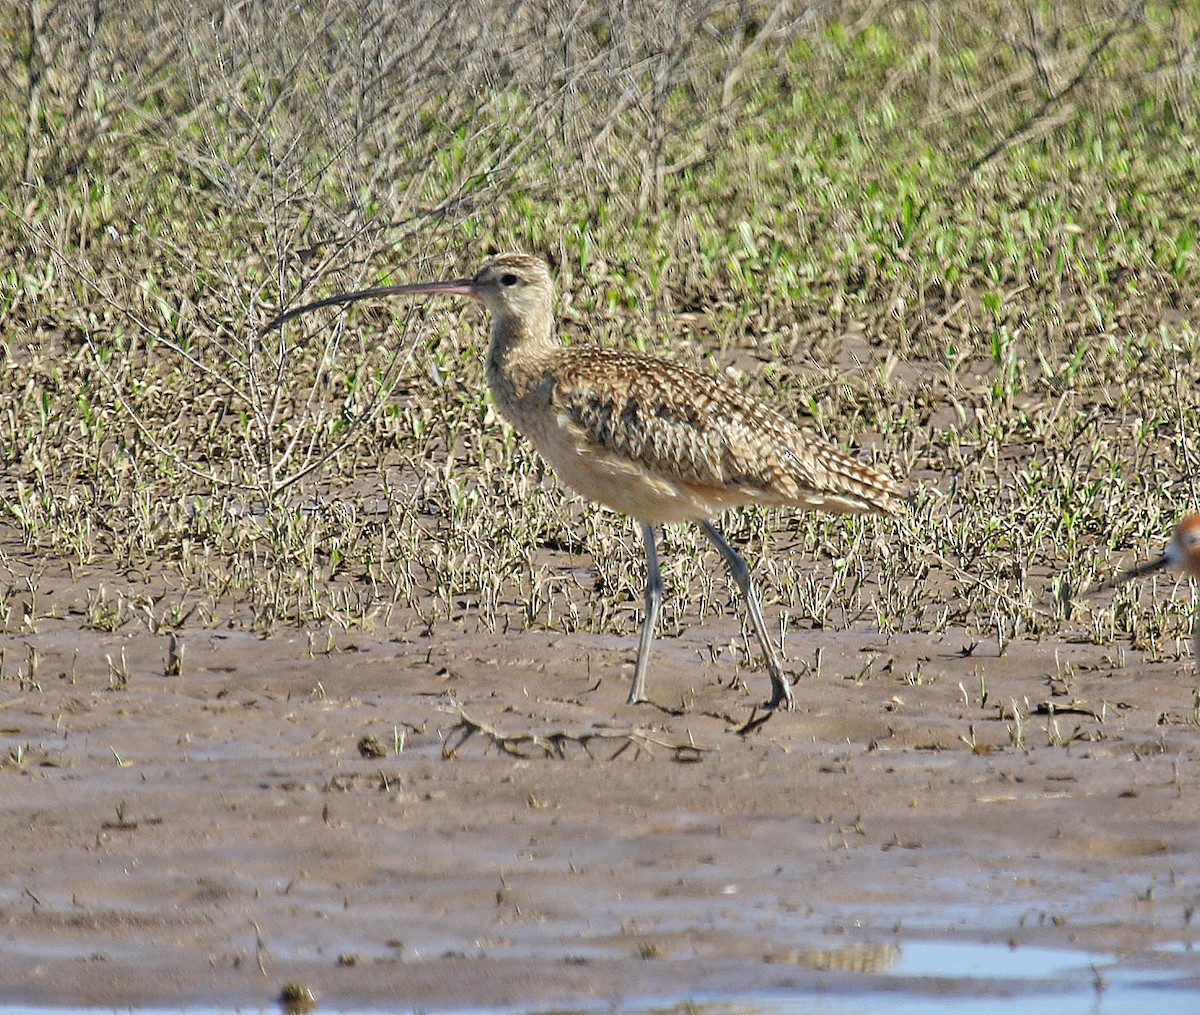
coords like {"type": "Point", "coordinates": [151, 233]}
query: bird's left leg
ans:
{"type": "Point", "coordinates": [654, 591]}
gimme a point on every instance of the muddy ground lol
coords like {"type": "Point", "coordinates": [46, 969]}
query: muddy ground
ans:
{"type": "Point", "coordinates": [310, 807]}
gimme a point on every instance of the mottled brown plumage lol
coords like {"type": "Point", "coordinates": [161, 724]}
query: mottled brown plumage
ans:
{"type": "Point", "coordinates": [721, 446]}
{"type": "Point", "coordinates": [648, 437]}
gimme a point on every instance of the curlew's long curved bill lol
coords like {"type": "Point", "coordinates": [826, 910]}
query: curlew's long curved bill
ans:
{"type": "Point", "coordinates": [452, 287]}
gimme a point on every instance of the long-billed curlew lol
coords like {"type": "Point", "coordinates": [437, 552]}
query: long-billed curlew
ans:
{"type": "Point", "coordinates": [1183, 552]}
{"type": "Point", "coordinates": [647, 437]}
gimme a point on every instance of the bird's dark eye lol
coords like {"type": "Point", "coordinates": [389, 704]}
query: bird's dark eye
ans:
{"type": "Point", "coordinates": [509, 279]}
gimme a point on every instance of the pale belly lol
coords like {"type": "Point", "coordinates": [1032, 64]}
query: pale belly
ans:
{"type": "Point", "coordinates": [620, 484]}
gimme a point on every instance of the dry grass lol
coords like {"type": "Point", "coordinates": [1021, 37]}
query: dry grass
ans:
{"type": "Point", "coordinates": [963, 238]}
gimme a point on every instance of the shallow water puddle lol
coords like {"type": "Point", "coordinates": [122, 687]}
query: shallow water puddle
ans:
{"type": "Point", "coordinates": [914, 978]}
{"type": "Point", "coordinates": [945, 978]}
{"type": "Point", "coordinates": [974, 961]}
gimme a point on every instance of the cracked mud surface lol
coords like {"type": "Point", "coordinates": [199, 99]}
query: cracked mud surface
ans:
{"type": "Point", "coordinates": [311, 809]}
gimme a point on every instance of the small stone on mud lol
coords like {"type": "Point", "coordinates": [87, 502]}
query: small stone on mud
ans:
{"type": "Point", "coordinates": [370, 747]}
{"type": "Point", "coordinates": [297, 999]}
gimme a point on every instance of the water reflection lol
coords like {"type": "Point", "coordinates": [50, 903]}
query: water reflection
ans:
{"type": "Point", "coordinates": [897, 978]}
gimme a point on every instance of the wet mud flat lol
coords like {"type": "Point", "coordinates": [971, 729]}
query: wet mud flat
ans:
{"type": "Point", "coordinates": [477, 819]}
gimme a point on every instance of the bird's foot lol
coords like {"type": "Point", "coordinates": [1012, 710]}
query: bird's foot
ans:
{"type": "Point", "coordinates": [781, 693]}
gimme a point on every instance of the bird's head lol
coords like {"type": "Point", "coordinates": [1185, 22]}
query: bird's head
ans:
{"type": "Point", "coordinates": [1183, 551]}
{"type": "Point", "coordinates": [515, 287]}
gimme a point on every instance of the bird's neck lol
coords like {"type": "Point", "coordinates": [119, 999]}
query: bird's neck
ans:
{"type": "Point", "coordinates": [515, 338]}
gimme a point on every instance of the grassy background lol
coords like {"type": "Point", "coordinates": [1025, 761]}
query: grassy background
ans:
{"type": "Point", "coordinates": [958, 237]}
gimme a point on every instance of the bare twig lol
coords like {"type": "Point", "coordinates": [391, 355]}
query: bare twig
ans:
{"type": "Point", "coordinates": [554, 743]}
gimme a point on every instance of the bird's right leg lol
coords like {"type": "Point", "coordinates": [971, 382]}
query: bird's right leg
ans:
{"type": "Point", "coordinates": [781, 690]}
{"type": "Point", "coordinates": [654, 590]}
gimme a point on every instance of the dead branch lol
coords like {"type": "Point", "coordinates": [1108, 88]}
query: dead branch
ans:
{"type": "Point", "coordinates": [554, 743]}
